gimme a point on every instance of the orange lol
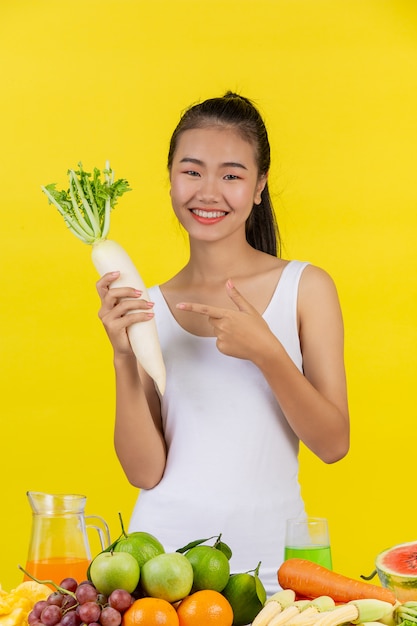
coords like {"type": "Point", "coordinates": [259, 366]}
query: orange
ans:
{"type": "Point", "coordinates": [205, 608]}
{"type": "Point", "coordinates": [150, 612]}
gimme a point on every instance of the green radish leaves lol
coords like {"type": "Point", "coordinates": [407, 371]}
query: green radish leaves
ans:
{"type": "Point", "coordinates": [86, 204]}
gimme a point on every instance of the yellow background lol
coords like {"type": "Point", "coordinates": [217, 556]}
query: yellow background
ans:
{"type": "Point", "coordinates": [93, 80]}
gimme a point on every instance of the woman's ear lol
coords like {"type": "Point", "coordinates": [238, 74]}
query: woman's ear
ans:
{"type": "Point", "coordinates": [260, 186]}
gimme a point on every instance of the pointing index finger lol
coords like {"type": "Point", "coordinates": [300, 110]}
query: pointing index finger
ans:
{"type": "Point", "coordinates": [202, 309]}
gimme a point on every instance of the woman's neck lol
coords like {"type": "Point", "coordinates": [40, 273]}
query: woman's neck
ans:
{"type": "Point", "coordinates": [215, 262]}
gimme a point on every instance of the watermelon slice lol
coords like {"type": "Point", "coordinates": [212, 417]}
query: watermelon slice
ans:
{"type": "Point", "coordinates": [397, 570]}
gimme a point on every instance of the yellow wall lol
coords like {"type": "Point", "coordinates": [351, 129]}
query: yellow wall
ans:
{"type": "Point", "coordinates": [95, 79]}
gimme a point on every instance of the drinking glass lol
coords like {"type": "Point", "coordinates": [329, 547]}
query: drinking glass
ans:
{"type": "Point", "coordinates": [308, 538]}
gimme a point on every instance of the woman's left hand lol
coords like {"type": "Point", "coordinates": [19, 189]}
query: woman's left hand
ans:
{"type": "Point", "coordinates": [241, 332]}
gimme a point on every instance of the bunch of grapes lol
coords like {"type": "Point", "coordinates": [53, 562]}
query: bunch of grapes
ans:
{"type": "Point", "coordinates": [75, 604]}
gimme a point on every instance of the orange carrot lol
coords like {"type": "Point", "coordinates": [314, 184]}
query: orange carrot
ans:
{"type": "Point", "coordinates": [310, 580]}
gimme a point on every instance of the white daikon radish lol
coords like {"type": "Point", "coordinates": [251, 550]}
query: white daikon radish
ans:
{"type": "Point", "coordinates": [86, 207]}
{"type": "Point", "coordinates": [107, 255]}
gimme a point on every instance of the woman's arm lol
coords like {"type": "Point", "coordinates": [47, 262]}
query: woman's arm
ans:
{"type": "Point", "coordinates": [315, 404]}
{"type": "Point", "coordinates": [138, 435]}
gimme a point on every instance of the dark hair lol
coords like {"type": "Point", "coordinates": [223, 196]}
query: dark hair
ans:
{"type": "Point", "coordinates": [233, 110]}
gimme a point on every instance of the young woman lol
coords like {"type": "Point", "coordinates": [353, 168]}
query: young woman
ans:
{"type": "Point", "coordinates": [253, 347]}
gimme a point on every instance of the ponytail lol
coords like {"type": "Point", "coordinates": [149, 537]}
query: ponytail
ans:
{"type": "Point", "coordinates": [262, 231]}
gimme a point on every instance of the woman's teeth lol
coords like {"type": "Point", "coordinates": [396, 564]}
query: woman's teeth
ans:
{"type": "Point", "coordinates": [208, 214]}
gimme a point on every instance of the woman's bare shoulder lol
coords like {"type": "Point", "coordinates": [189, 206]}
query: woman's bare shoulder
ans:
{"type": "Point", "coordinates": [315, 277]}
{"type": "Point", "coordinates": [317, 293]}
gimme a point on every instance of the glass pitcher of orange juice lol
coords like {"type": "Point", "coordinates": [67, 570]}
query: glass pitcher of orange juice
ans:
{"type": "Point", "coordinates": [59, 546]}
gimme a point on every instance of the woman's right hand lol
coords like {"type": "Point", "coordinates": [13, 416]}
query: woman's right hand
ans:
{"type": "Point", "coordinates": [120, 308]}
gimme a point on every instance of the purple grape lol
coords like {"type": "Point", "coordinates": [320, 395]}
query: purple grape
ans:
{"type": "Point", "coordinates": [38, 607]}
{"type": "Point", "coordinates": [55, 598]}
{"type": "Point", "coordinates": [110, 617]}
{"type": "Point", "coordinates": [33, 619]}
{"type": "Point", "coordinates": [51, 615]}
{"type": "Point", "coordinates": [89, 612]}
{"type": "Point", "coordinates": [69, 602]}
{"type": "Point", "coordinates": [86, 593]}
{"type": "Point", "coordinates": [71, 619]}
{"type": "Point", "coordinates": [120, 600]}
{"type": "Point", "coordinates": [70, 584]}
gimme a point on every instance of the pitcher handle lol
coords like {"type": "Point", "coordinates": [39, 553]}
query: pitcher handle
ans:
{"type": "Point", "coordinates": [101, 527]}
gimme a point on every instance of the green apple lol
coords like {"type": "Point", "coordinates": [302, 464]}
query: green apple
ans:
{"type": "Point", "coordinates": [114, 570]}
{"type": "Point", "coordinates": [168, 576]}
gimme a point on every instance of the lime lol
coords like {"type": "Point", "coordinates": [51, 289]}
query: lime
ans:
{"type": "Point", "coordinates": [143, 546]}
{"type": "Point", "coordinates": [168, 576]}
{"type": "Point", "coordinates": [241, 591]}
{"type": "Point", "coordinates": [210, 566]}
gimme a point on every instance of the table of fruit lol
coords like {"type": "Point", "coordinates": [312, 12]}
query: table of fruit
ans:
{"type": "Point", "coordinates": [135, 582]}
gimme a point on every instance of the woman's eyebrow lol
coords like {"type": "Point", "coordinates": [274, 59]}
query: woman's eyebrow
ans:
{"type": "Point", "coordinates": [234, 164]}
{"type": "Point", "coordinates": [201, 163]}
{"type": "Point", "coordinates": [191, 160]}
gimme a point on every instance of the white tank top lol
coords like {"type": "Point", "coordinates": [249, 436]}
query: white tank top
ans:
{"type": "Point", "coordinates": [232, 465]}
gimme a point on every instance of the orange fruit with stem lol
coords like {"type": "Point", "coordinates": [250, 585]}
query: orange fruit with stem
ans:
{"type": "Point", "coordinates": [150, 612]}
{"type": "Point", "coordinates": [206, 607]}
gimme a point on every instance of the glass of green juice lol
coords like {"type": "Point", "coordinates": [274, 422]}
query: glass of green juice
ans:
{"type": "Point", "coordinates": [308, 538]}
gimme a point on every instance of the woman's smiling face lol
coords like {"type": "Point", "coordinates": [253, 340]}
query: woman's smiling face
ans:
{"type": "Point", "coordinates": [214, 181]}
